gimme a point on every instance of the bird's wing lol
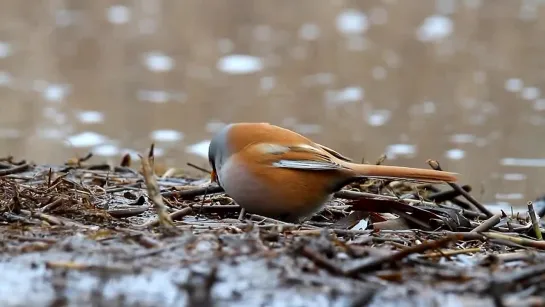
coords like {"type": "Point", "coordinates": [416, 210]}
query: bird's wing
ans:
{"type": "Point", "coordinates": [334, 153]}
{"type": "Point", "coordinates": [301, 156]}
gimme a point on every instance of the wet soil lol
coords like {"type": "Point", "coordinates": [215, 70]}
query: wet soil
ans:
{"type": "Point", "coordinates": [88, 236]}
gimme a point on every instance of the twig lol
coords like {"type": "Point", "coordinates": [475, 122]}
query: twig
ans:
{"type": "Point", "coordinates": [121, 213]}
{"type": "Point", "coordinates": [7, 159]}
{"type": "Point", "coordinates": [339, 232]}
{"type": "Point", "coordinates": [126, 160]}
{"type": "Point", "coordinates": [377, 262]}
{"type": "Point", "coordinates": [535, 222]}
{"type": "Point", "coordinates": [202, 201]}
{"type": "Point", "coordinates": [353, 195]}
{"type": "Point", "coordinates": [453, 252]}
{"type": "Point", "coordinates": [14, 170]}
{"type": "Point", "coordinates": [241, 214]}
{"type": "Point", "coordinates": [185, 194]}
{"type": "Point", "coordinates": [320, 260]}
{"type": "Point", "coordinates": [52, 205]}
{"type": "Point", "coordinates": [154, 192]}
{"type": "Point", "coordinates": [204, 170]}
{"type": "Point", "coordinates": [33, 239]}
{"type": "Point", "coordinates": [260, 218]}
{"type": "Point", "coordinates": [70, 265]}
{"type": "Point", "coordinates": [128, 186]}
{"type": "Point", "coordinates": [517, 240]}
{"type": "Point", "coordinates": [451, 195]}
{"type": "Point", "coordinates": [488, 224]}
{"type": "Point", "coordinates": [55, 183]}
{"type": "Point", "coordinates": [217, 208]}
{"type": "Point", "coordinates": [473, 214]}
{"type": "Point", "coordinates": [5, 165]}
{"type": "Point", "coordinates": [53, 219]}
{"type": "Point", "coordinates": [173, 216]}
{"type": "Point", "coordinates": [518, 256]}
{"type": "Point", "coordinates": [87, 157]}
{"type": "Point", "coordinates": [154, 251]}
{"type": "Point", "coordinates": [436, 166]}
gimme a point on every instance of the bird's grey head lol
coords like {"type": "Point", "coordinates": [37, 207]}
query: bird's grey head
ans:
{"type": "Point", "coordinates": [218, 150]}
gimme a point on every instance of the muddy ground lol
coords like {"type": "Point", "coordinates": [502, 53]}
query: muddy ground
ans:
{"type": "Point", "coordinates": [88, 235]}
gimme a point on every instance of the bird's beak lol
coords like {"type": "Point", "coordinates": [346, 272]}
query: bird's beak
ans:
{"type": "Point", "coordinates": [213, 176]}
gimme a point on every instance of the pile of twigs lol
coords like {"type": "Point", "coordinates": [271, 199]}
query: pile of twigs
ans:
{"type": "Point", "coordinates": [379, 232]}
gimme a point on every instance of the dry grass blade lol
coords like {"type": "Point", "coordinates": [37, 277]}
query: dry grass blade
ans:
{"type": "Point", "coordinates": [535, 222]}
{"type": "Point", "coordinates": [154, 193]}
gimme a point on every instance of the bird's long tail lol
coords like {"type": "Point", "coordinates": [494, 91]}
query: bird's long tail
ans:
{"type": "Point", "coordinates": [399, 172]}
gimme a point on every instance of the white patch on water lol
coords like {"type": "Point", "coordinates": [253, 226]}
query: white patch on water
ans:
{"type": "Point", "coordinates": [166, 135]}
{"type": "Point", "coordinates": [463, 138]}
{"type": "Point", "coordinates": [455, 154]}
{"type": "Point", "coordinates": [395, 150]}
{"type": "Point", "coordinates": [513, 85]}
{"type": "Point", "coordinates": [86, 139]}
{"type": "Point", "coordinates": [377, 118]}
{"type": "Point", "coordinates": [435, 27]}
{"type": "Point", "coordinates": [514, 177]}
{"type": "Point", "coordinates": [5, 49]}
{"type": "Point", "coordinates": [523, 162]}
{"type": "Point", "coordinates": [158, 61]}
{"type": "Point", "coordinates": [352, 21]}
{"type": "Point", "coordinates": [509, 196]}
{"type": "Point", "coordinates": [106, 150]}
{"type": "Point", "coordinates": [90, 117]}
{"type": "Point", "coordinates": [153, 96]}
{"type": "Point", "coordinates": [239, 64]}
{"type": "Point", "coordinates": [530, 93]}
{"type": "Point", "coordinates": [199, 149]}
{"type": "Point", "coordinates": [55, 92]}
{"type": "Point", "coordinates": [118, 14]}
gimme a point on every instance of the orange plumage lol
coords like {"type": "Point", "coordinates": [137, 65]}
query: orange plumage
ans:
{"type": "Point", "coordinates": [279, 173]}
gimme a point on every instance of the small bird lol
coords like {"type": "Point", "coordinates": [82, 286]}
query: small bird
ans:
{"type": "Point", "coordinates": [278, 173]}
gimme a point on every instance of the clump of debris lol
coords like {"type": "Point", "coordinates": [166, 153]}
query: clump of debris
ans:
{"type": "Point", "coordinates": [84, 234]}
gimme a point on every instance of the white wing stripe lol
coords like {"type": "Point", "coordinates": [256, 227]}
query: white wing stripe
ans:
{"type": "Point", "coordinates": [305, 164]}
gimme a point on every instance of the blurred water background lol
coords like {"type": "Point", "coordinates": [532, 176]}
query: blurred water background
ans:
{"type": "Point", "coordinates": [460, 81]}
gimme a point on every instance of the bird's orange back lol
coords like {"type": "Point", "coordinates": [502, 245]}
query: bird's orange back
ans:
{"type": "Point", "coordinates": [244, 134]}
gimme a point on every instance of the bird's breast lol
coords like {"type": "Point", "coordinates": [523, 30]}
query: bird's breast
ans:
{"type": "Point", "coordinates": [275, 192]}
